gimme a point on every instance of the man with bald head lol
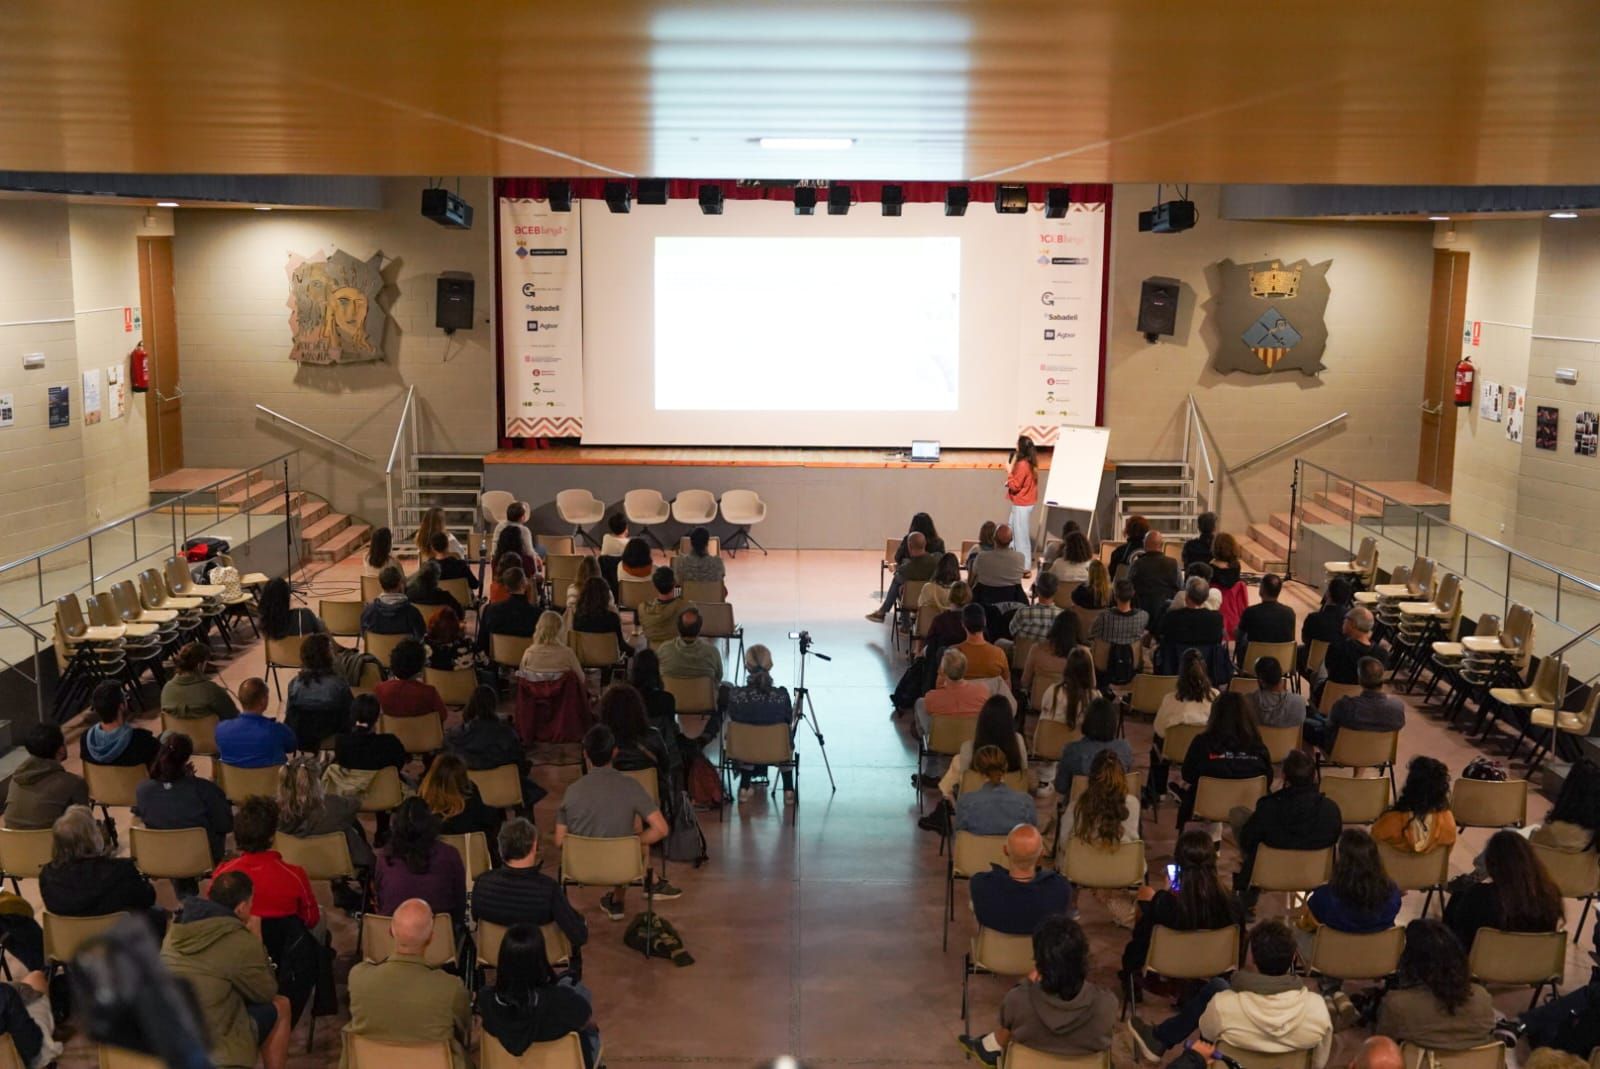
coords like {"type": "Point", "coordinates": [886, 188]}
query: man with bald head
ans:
{"type": "Point", "coordinates": [1355, 641]}
{"type": "Point", "coordinates": [1015, 898]}
{"type": "Point", "coordinates": [1155, 576]}
{"type": "Point", "coordinates": [1378, 1052]}
{"type": "Point", "coordinates": [996, 573]}
{"type": "Point", "coordinates": [918, 567]}
{"type": "Point", "coordinates": [403, 999]}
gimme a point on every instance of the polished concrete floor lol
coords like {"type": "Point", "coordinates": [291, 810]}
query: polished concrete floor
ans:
{"type": "Point", "coordinates": [822, 938]}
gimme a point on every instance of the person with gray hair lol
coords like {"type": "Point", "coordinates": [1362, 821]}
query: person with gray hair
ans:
{"type": "Point", "coordinates": [1194, 624]}
{"type": "Point", "coordinates": [953, 694]}
{"type": "Point", "coordinates": [517, 892]}
{"type": "Point", "coordinates": [1355, 642]}
{"type": "Point", "coordinates": [84, 879]}
{"type": "Point", "coordinates": [758, 702]}
{"type": "Point", "coordinates": [918, 566]}
{"type": "Point", "coordinates": [1371, 710]}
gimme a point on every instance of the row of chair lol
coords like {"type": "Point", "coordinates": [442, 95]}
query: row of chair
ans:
{"type": "Point", "coordinates": [645, 508]}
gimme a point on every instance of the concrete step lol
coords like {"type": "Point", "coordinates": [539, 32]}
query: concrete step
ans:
{"type": "Point", "coordinates": [243, 495]}
{"type": "Point", "coordinates": [1340, 506]}
{"type": "Point", "coordinates": [314, 535]}
{"type": "Point", "coordinates": [345, 542]}
{"type": "Point", "coordinates": [1271, 539]}
{"type": "Point", "coordinates": [274, 507]}
{"type": "Point", "coordinates": [1258, 558]}
{"type": "Point", "coordinates": [1371, 503]}
{"type": "Point", "coordinates": [311, 510]}
{"type": "Point", "coordinates": [1310, 512]}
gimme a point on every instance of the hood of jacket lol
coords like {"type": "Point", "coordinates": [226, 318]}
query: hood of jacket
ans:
{"type": "Point", "coordinates": [1281, 1007]}
{"type": "Point", "coordinates": [106, 744]}
{"type": "Point", "coordinates": [200, 925]}
{"type": "Point", "coordinates": [1089, 1009]}
{"type": "Point", "coordinates": [36, 769]}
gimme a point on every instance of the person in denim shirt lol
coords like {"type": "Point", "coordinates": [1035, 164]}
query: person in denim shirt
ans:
{"type": "Point", "coordinates": [758, 702]}
{"type": "Point", "coordinates": [994, 808]}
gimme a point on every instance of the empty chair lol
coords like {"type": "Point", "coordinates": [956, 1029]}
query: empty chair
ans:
{"type": "Point", "coordinates": [1361, 799]}
{"type": "Point", "coordinates": [202, 731]}
{"type": "Point", "coordinates": [563, 1053]}
{"type": "Point", "coordinates": [1559, 726]}
{"type": "Point", "coordinates": [608, 863]}
{"type": "Point", "coordinates": [695, 696]}
{"type": "Point", "coordinates": [176, 854]}
{"type": "Point", "coordinates": [1518, 959]}
{"type": "Point", "coordinates": [23, 852]}
{"type": "Point", "coordinates": [499, 787]}
{"type": "Point", "coordinates": [1481, 803]}
{"type": "Point", "coordinates": [455, 686]}
{"type": "Point", "coordinates": [1426, 872]}
{"type": "Point", "coordinates": [473, 846]}
{"type": "Point", "coordinates": [383, 793]}
{"type": "Point", "coordinates": [506, 650]}
{"type": "Point", "coordinates": [1148, 690]}
{"type": "Point", "coordinates": [240, 784]}
{"type": "Point", "coordinates": [1192, 955]}
{"type": "Point", "coordinates": [744, 509]}
{"type": "Point", "coordinates": [1089, 865]}
{"type": "Point", "coordinates": [1215, 799]}
{"type": "Point", "coordinates": [111, 785]}
{"type": "Point", "coordinates": [494, 504]}
{"type": "Point", "coordinates": [324, 857]}
{"type": "Point", "coordinates": [1291, 870]}
{"type": "Point", "coordinates": [1362, 569]}
{"type": "Point", "coordinates": [643, 508]}
{"type": "Point", "coordinates": [381, 646]}
{"type": "Point", "coordinates": [1018, 1056]}
{"type": "Point", "coordinates": [694, 508]}
{"type": "Point", "coordinates": [581, 509]}
{"type": "Point", "coordinates": [418, 734]}
{"type": "Point", "coordinates": [1365, 749]}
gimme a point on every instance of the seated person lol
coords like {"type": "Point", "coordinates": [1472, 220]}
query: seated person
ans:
{"type": "Point", "coordinates": [278, 618]}
{"type": "Point", "coordinates": [1198, 548]}
{"type": "Point", "coordinates": [485, 741]}
{"type": "Point", "coordinates": [698, 565]}
{"type": "Point", "coordinates": [1343, 661]}
{"type": "Point", "coordinates": [40, 789]}
{"type": "Point", "coordinates": [1121, 626]}
{"type": "Point", "coordinates": [1156, 577]}
{"type": "Point", "coordinates": [189, 695]}
{"type": "Point", "coordinates": [997, 726]}
{"type": "Point", "coordinates": [1099, 735]}
{"type": "Point", "coordinates": [946, 629]}
{"type": "Point", "coordinates": [1199, 903]}
{"type": "Point", "coordinates": [658, 615]}
{"type": "Point", "coordinates": [1268, 620]}
{"type": "Point", "coordinates": [1267, 1009]}
{"type": "Point", "coordinates": [1434, 1002]}
{"type": "Point", "coordinates": [1199, 570]}
{"type": "Point", "coordinates": [212, 948]}
{"type": "Point", "coordinates": [760, 702]}
{"type": "Point", "coordinates": [364, 748]}
{"type": "Point", "coordinates": [516, 615]}
{"type": "Point", "coordinates": [1272, 702]}
{"type": "Point", "coordinates": [1014, 900]}
{"type": "Point", "coordinates": [548, 656]}
{"type": "Point", "coordinates": [391, 612]}
{"type": "Point", "coordinates": [935, 595]}
{"type": "Point", "coordinates": [516, 892]}
{"type": "Point", "coordinates": [113, 741]}
{"type": "Point", "coordinates": [1194, 624]}
{"type": "Point", "coordinates": [1297, 816]}
{"type": "Point", "coordinates": [1229, 748]}
{"type": "Point", "coordinates": [26, 1017]}
{"type": "Point", "coordinates": [530, 1003]}
{"type": "Point", "coordinates": [427, 595]}
{"type": "Point", "coordinates": [84, 877]}
{"type": "Point", "coordinates": [1072, 565]}
{"type": "Point", "coordinates": [516, 521]}
{"type": "Point", "coordinates": [1519, 895]}
{"type": "Point", "coordinates": [595, 613]}
{"type": "Point", "coordinates": [404, 694]}
{"type": "Point", "coordinates": [1055, 1009]}
{"type": "Point", "coordinates": [1189, 703]}
{"type": "Point", "coordinates": [319, 698]}
{"type": "Point", "coordinates": [1359, 898]}
{"type": "Point", "coordinates": [252, 739]}
{"type": "Point", "coordinates": [996, 574]}
{"type": "Point", "coordinates": [1420, 818]}
{"type": "Point", "coordinates": [636, 564]}
{"type": "Point", "coordinates": [1105, 815]}
{"type": "Point", "coordinates": [305, 809]}
{"type": "Point", "coordinates": [450, 565]}
{"type": "Point", "coordinates": [605, 804]}
{"type": "Point", "coordinates": [994, 808]}
{"type": "Point", "coordinates": [615, 540]}
{"type": "Point", "coordinates": [985, 660]}
{"type": "Point", "coordinates": [402, 999]}
{"type": "Point", "coordinates": [918, 566]}
{"type": "Point", "coordinates": [174, 797]}
{"type": "Point", "coordinates": [953, 694]}
{"type": "Point", "coordinates": [379, 554]}
{"type": "Point", "coordinates": [449, 648]}
{"type": "Point", "coordinates": [1371, 710]}
{"type": "Point", "coordinates": [1035, 621]}
{"type": "Point", "coordinates": [689, 656]}
{"type": "Point", "coordinates": [454, 799]}
{"type": "Point", "coordinates": [280, 888]}
{"type": "Point", "coordinates": [1095, 592]}
{"type": "Point", "coordinates": [414, 864]}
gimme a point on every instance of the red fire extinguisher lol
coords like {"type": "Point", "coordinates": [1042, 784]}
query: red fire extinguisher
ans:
{"type": "Point", "coordinates": [1464, 376]}
{"type": "Point", "coordinates": [139, 368]}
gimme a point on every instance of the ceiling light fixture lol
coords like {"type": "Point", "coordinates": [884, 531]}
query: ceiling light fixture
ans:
{"type": "Point", "coordinates": [1438, 218]}
{"type": "Point", "coordinates": [166, 204]}
{"type": "Point", "coordinates": [807, 144]}
{"type": "Point", "coordinates": [1563, 215]}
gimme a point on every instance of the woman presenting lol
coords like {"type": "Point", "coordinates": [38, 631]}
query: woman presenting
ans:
{"type": "Point", "coordinates": [1022, 490]}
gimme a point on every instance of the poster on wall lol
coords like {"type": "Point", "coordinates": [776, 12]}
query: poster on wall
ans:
{"type": "Point", "coordinates": [1516, 398]}
{"type": "Point", "coordinates": [334, 316]}
{"type": "Point", "coordinates": [91, 397]}
{"type": "Point", "coordinates": [541, 318]}
{"type": "Point", "coordinates": [116, 393]}
{"type": "Point", "coordinates": [1491, 401]}
{"type": "Point", "coordinates": [1546, 422]}
{"type": "Point", "coordinates": [1059, 316]}
{"type": "Point", "coordinates": [1586, 436]}
{"type": "Point", "coordinates": [59, 406]}
{"type": "Point", "coordinates": [1268, 316]}
{"type": "Point", "coordinates": [8, 411]}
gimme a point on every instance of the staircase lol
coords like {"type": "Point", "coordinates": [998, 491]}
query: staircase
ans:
{"type": "Point", "coordinates": [325, 536]}
{"type": "Point", "coordinates": [1268, 546]}
{"type": "Point", "coordinates": [451, 481]}
{"type": "Point", "coordinates": [1162, 491]}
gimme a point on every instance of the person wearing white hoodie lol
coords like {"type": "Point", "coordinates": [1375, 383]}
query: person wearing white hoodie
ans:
{"type": "Point", "coordinates": [1268, 1009]}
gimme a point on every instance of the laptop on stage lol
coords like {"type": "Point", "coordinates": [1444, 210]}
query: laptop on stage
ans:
{"type": "Point", "coordinates": [925, 452]}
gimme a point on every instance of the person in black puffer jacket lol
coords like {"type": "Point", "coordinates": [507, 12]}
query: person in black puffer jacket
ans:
{"type": "Point", "coordinates": [1296, 817]}
{"type": "Point", "coordinates": [81, 880]}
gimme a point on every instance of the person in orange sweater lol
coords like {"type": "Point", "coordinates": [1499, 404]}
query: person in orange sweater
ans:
{"type": "Point", "coordinates": [1022, 490]}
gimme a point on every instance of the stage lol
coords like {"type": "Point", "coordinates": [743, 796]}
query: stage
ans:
{"type": "Point", "coordinates": [816, 498]}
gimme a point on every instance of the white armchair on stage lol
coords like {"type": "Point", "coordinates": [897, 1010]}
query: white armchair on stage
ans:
{"type": "Point", "coordinates": [581, 509]}
{"type": "Point", "coordinates": [744, 509]}
{"type": "Point", "coordinates": [694, 508]}
{"type": "Point", "coordinates": [495, 503]}
{"type": "Point", "coordinates": [643, 508]}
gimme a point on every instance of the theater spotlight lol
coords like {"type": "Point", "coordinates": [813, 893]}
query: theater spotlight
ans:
{"type": "Point", "coordinates": [1011, 200]}
{"type": "Point", "coordinates": [955, 200]}
{"type": "Point", "coordinates": [710, 200]}
{"type": "Point", "coordinates": [652, 191]}
{"type": "Point", "coordinates": [891, 198]}
{"type": "Point", "coordinates": [619, 198]}
{"type": "Point", "coordinates": [805, 200]}
{"type": "Point", "coordinates": [560, 194]}
{"type": "Point", "coordinates": [838, 199]}
{"type": "Point", "coordinates": [1056, 202]}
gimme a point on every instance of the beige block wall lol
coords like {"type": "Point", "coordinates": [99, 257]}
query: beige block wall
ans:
{"type": "Point", "coordinates": [1377, 334]}
{"type": "Point", "coordinates": [233, 331]}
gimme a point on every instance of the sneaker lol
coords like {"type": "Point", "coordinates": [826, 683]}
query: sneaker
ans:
{"type": "Point", "coordinates": [933, 822]}
{"type": "Point", "coordinates": [876, 617]}
{"type": "Point", "coordinates": [664, 890]}
{"type": "Point", "coordinates": [1342, 1011]}
{"type": "Point", "coordinates": [609, 906]}
{"type": "Point", "coordinates": [788, 798]}
{"type": "Point", "coordinates": [745, 793]}
{"type": "Point", "coordinates": [975, 1049]}
{"type": "Point", "coordinates": [1145, 1043]}
{"type": "Point", "coordinates": [1509, 1032]}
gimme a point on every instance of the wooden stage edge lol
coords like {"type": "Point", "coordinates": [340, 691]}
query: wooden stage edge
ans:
{"type": "Point", "coordinates": [676, 457]}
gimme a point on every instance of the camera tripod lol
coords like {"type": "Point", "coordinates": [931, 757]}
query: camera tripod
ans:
{"type": "Point", "coordinates": [804, 710]}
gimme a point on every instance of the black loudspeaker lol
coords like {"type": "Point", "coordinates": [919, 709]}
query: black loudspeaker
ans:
{"type": "Point", "coordinates": [453, 307]}
{"type": "Point", "coordinates": [892, 198]}
{"type": "Point", "coordinates": [805, 200]}
{"type": "Point", "coordinates": [711, 200]}
{"type": "Point", "coordinates": [839, 198]}
{"type": "Point", "coordinates": [560, 196]}
{"type": "Point", "coordinates": [1158, 307]}
{"type": "Point", "coordinates": [1057, 200]}
{"type": "Point", "coordinates": [619, 198]}
{"type": "Point", "coordinates": [652, 191]}
{"type": "Point", "coordinates": [1011, 200]}
{"type": "Point", "coordinates": [955, 200]}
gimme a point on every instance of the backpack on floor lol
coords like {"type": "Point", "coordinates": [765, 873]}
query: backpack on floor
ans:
{"type": "Point", "coordinates": [685, 842]}
{"type": "Point", "coordinates": [705, 786]}
{"type": "Point", "coordinates": [653, 934]}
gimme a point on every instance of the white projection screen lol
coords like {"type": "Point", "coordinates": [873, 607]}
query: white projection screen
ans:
{"type": "Point", "coordinates": [760, 327]}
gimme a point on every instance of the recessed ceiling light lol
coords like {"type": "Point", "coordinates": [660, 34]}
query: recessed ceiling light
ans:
{"type": "Point", "coordinates": [166, 204]}
{"type": "Point", "coordinates": [808, 144]}
{"type": "Point", "coordinates": [1563, 215]}
{"type": "Point", "coordinates": [1438, 218]}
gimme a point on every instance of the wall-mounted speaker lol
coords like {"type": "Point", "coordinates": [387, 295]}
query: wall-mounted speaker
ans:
{"type": "Point", "coordinates": [1158, 307]}
{"type": "Point", "coordinates": [453, 305]}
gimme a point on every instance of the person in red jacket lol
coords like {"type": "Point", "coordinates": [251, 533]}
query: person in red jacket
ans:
{"type": "Point", "coordinates": [1022, 490]}
{"type": "Point", "coordinates": [281, 889]}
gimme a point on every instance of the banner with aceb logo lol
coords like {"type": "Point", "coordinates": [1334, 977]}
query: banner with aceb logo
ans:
{"type": "Point", "coordinates": [1059, 309]}
{"type": "Point", "coordinates": [541, 304]}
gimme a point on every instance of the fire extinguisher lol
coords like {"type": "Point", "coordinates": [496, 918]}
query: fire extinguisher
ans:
{"type": "Point", "coordinates": [139, 368]}
{"type": "Point", "coordinates": [1464, 376]}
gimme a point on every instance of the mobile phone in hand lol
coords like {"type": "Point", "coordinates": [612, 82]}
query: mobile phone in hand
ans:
{"type": "Point", "coordinates": [1174, 881]}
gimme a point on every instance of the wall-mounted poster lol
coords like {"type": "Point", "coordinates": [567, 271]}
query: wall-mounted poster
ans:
{"type": "Point", "coordinates": [1586, 438]}
{"type": "Point", "coordinates": [91, 397]}
{"type": "Point", "coordinates": [1516, 398]}
{"type": "Point", "coordinates": [8, 411]}
{"type": "Point", "coordinates": [1491, 401]}
{"type": "Point", "coordinates": [1546, 422]}
{"type": "Point", "coordinates": [334, 316]}
{"type": "Point", "coordinates": [1268, 316]}
{"type": "Point", "coordinates": [60, 406]}
{"type": "Point", "coordinates": [116, 392]}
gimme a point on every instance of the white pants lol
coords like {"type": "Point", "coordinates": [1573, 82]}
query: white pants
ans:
{"type": "Point", "coordinates": [1022, 532]}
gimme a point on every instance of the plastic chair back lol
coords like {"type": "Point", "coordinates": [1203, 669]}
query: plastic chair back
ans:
{"type": "Point", "coordinates": [377, 944]}
{"type": "Point", "coordinates": [971, 854]}
{"type": "Point", "coordinates": [1001, 954]}
{"type": "Point", "coordinates": [563, 1053]}
{"type": "Point", "coordinates": [704, 593]}
{"type": "Point", "coordinates": [1282, 652]}
{"type": "Point", "coordinates": [1356, 955]}
{"type": "Point", "coordinates": [601, 862]}
{"type": "Point", "coordinates": [240, 784]}
{"type": "Point", "coordinates": [1195, 955]}
{"type": "Point", "coordinates": [455, 686]}
{"type": "Point", "coordinates": [1487, 1056]}
{"type": "Point", "coordinates": [418, 734]}
{"type": "Point", "coordinates": [1215, 798]}
{"type": "Point", "coordinates": [743, 506]}
{"type": "Point", "coordinates": [1316, 653]}
{"type": "Point", "coordinates": [563, 566]}
{"type": "Point", "coordinates": [370, 589]}
{"type": "Point", "coordinates": [1291, 870]}
{"type": "Point", "coordinates": [1364, 749]}
{"type": "Point", "coordinates": [384, 793]}
{"type": "Point", "coordinates": [646, 778]}
{"type": "Point", "coordinates": [1018, 1056]}
{"type": "Point", "coordinates": [473, 846]}
{"type": "Point", "coordinates": [1332, 692]}
{"type": "Point", "coordinates": [202, 731]}
{"type": "Point", "coordinates": [694, 507]}
{"type": "Point", "coordinates": [551, 544]}
{"type": "Point", "coordinates": [1175, 744]}
{"type": "Point", "coordinates": [174, 854]}
{"type": "Point", "coordinates": [1575, 872]}
{"type": "Point", "coordinates": [1051, 736]}
{"type": "Point", "coordinates": [1416, 872]}
{"type": "Point", "coordinates": [508, 649]}
{"type": "Point", "coordinates": [499, 787]}
{"type": "Point", "coordinates": [324, 857]}
{"type": "Point", "coordinates": [1089, 865]}
{"type": "Point", "coordinates": [494, 504]}
{"type": "Point", "coordinates": [1518, 957]}
{"type": "Point", "coordinates": [758, 744]}
{"type": "Point", "coordinates": [632, 593]}
{"type": "Point", "coordinates": [1255, 1059]}
{"type": "Point", "coordinates": [23, 852]}
{"type": "Point", "coordinates": [64, 935]}
{"type": "Point", "coordinates": [123, 1058]}
{"type": "Point", "coordinates": [716, 619]}
{"type": "Point", "coordinates": [1361, 799]}
{"type": "Point", "coordinates": [1279, 741]}
{"type": "Point", "coordinates": [381, 646]}
{"type": "Point", "coordinates": [114, 784]}
{"type": "Point", "coordinates": [947, 733]}
{"type": "Point", "coordinates": [694, 695]}
{"type": "Point", "coordinates": [364, 1052]}
{"type": "Point", "coordinates": [285, 652]}
{"type": "Point", "coordinates": [595, 649]}
{"type": "Point", "coordinates": [1148, 690]}
{"type": "Point", "coordinates": [1480, 803]}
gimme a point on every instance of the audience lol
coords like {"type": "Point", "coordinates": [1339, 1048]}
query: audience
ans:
{"type": "Point", "coordinates": [1194, 625]}
{"type": "Point", "coordinates": [424, 590]}
{"type": "Point", "coordinates": [189, 695]}
{"type": "Point", "coordinates": [1198, 570]}
{"type": "Point", "coordinates": [1133, 532]}
{"type": "Point", "coordinates": [215, 948]}
{"type": "Point", "coordinates": [40, 789]}
{"type": "Point", "coordinates": [997, 726]}
{"type": "Point", "coordinates": [1435, 1004]}
{"type": "Point", "coordinates": [758, 703]}
{"type": "Point", "coordinates": [26, 1016]}
{"type": "Point", "coordinates": [1055, 1009]}
{"type": "Point", "coordinates": [936, 591]}
{"type": "Point", "coordinates": [280, 888]}
{"type": "Point", "coordinates": [174, 797]}
{"type": "Point", "coordinates": [1099, 736]}
{"type": "Point", "coordinates": [113, 741]}
{"type": "Point", "coordinates": [953, 694]}
{"type": "Point", "coordinates": [1272, 703]}
{"type": "Point", "coordinates": [615, 540]}
{"type": "Point", "coordinates": [516, 615]}
{"type": "Point", "coordinates": [365, 749]}
{"type": "Point", "coordinates": [516, 522]}
{"type": "Point", "coordinates": [1355, 641]}
{"type": "Point", "coordinates": [516, 892]}
{"type": "Point", "coordinates": [1359, 898]}
{"type": "Point", "coordinates": [548, 656]}
{"type": "Point", "coordinates": [1014, 900]}
{"type": "Point", "coordinates": [1266, 621]}
{"type": "Point", "coordinates": [1198, 548]}
{"type": "Point", "coordinates": [1072, 566]}
{"type": "Point", "coordinates": [402, 999]}
{"type": "Point", "coordinates": [84, 877]}
{"type": "Point", "coordinates": [1226, 579]}
{"type": "Point", "coordinates": [595, 613]}
{"type": "Point", "coordinates": [921, 523]}
{"type": "Point", "coordinates": [449, 648]}
{"type": "Point", "coordinates": [1327, 623]}
{"type": "Point", "coordinates": [636, 563]}
{"type": "Point", "coordinates": [319, 699]}
{"type": "Point", "coordinates": [454, 799]}
{"type": "Point", "coordinates": [1155, 576]}
{"type": "Point", "coordinates": [1573, 823]}
{"type": "Point", "coordinates": [996, 574]}
{"type": "Point", "coordinates": [484, 741]}
{"type": "Point", "coordinates": [1230, 747]}
{"type": "Point", "coordinates": [918, 566]}
{"type": "Point", "coordinates": [1420, 818]}
{"type": "Point", "coordinates": [1371, 710]}
{"type": "Point", "coordinates": [946, 629]}
{"type": "Point", "coordinates": [689, 656]}
{"type": "Point", "coordinates": [500, 578]}
{"type": "Point", "coordinates": [660, 706]}
{"type": "Point", "coordinates": [698, 565]}
{"type": "Point", "coordinates": [1519, 895]}
{"type": "Point", "coordinates": [391, 612]}
{"type": "Point", "coordinates": [985, 660]}
{"type": "Point", "coordinates": [985, 543]}
{"type": "Point", "coordinates": [414, 864]}
{"type": "Point", "coordinates": [306, 809]}
{"type": "Point", "coordinates": [431, 524]}
{"type": "Point", "coordinates": [658, 616]}
{"type": "Point", "coordinates": [1105, 815]}
{"type": "Point", "coordinates": [510, 551]}
{"type": "Point", "coordinates": [1034, 621]}
{"type": "Point", "coordinates": [1297, 816]}
{"type": "Point", "coordinates": [403, 694]}
{"type": "Point", "coordinates": [1095, 592]}
{"type": "Point", "coordinates": [446, 553]}
{"type": "Point", "coordinates": [1052, 655]}
{"type": "Point", "coordinates": [379, 555]}
{"type": "Point", "coordinates": [994, 808]}
{"type": "Point", "coordinates": [1199, 903]}
{"type": "Point", "coordinates": [530, 1003]}
{"type": "Point", "coordinates": [1188, 703]}
{"type": "Point", "coordinates": [253, 740]}
{"type": "Point", "coordinates": [1121, 627]}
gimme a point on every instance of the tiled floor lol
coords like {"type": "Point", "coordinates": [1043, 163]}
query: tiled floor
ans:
{"type": "Point", "coordinates": [821, 939]}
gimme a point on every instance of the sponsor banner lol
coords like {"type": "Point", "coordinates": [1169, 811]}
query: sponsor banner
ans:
{"type": "Point", "coordinates": [1059, 307]}
{"type": "Point", "coordinates": [541, 305]}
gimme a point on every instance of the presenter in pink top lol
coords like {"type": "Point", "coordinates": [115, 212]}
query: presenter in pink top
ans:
{"type": "Point", "coordinates": [1022, 490]}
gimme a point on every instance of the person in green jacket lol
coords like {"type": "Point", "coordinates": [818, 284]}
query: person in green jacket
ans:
{"type": "Point", "coordinates": [189, 695]}
{"type": "Point", "coordinates": [216, 946]}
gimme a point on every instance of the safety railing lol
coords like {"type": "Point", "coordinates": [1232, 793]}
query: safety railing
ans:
{"type": "Point", "coordinates": [1194, 431]}
{"type": "Point", "coordinates": [401, 452]}
{"type": "Point", "coordinates": [313, 432]}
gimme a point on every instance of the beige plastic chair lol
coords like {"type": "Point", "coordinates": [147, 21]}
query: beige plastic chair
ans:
{"type": "Point", "coordinates": [381, 646]}
{"type": "Point", "coordinates": [499, 787]}
{"type": "Point", "coordinates": [123, 1058]}
{"type": "Point", "coordinates": [1089, 865]}
{"type": "Point", "coordinates": [1548, 690]}
{"type": "Point", "coordinates": [418, 734]}
{"type": "Point", "coordinates": [455, 687]}
{"type": "Point", "coordinates": [1050, 737]}
{"type": "Point", "coordinates": [371, 676]}
{"type": "Point", "coordinates": [1242, 685]}
{"type": "Point", "coordinates": [563, 566]}
{"type": "Point", "coordinates": [1555, 723]}
{"type": "Point", "coordinates": [1316, 653]}
{"type": "Point", "coordinates": [64, 935]}
{"type": "Point", "coordinates": [557, 947]}
{"type": "Point", "coordinates": [1255, 1059]}
{"type": "Point", "coordinates": [563, 1053]}
{"type": "Point", "coordinates": [1175, 744]}
{"type": "Point", "coordinates": [1215, 799]}
{"type": "Point", "coordinates": [383, 793]}
{"type": "Point", "coordinates": [972, 780]}
{"type": "Point", "coordinates": [1361, 799]}
{"type": "Point", "coordinates": [324, 857]}
{"type": "Point", "coordinates": [947, 733]}
{"type": "Point", "coordinates": [1017, 1056]}
{"type": "Point", "coordinates": [1148, 690]}
{"type": "Point", "coordinates": [995, 953]}
{"type": "Point", "coordinates": [632, 593]}
{"type": "Point", "coordinates": [1282, 652]}
{"type": "Point", "coordinates": [1488, 1056]}
{"type": "Point", "coordinates": [1427, 872]}
{"type": "Point", "coordinates": [473, 846]}
{"type": "Point", "coordinates": [1291, 870]}
{"type": "Point", "coordinates": [716, 622]}
{"type": "Point", "coordinates": [551, 544]}
{"type": "Point", "coordinates": [111, 785]}
{"type": "Point", "coordinates": [582, 510]}
{"type": "Point", "coordinates": [646, 778]}
{"type": "Point", "coordinates": [1518, 959]}
{"type": "Point", "coordinates": [744, 509]}
{"type": "Point", "coordinates": [370, 589]}
{"type": "Point", "coordinates": [1356, 956]}
{"type": "Point", "coordinates": [1281, 741]}
{"type": "Point", "coordinates": [1575, 872]}
{"type": "Point", "coordinates": [704, 593]}
{"type": "Point", "coordinates": [644, 508]}
{"type": "Point", "coordinates": [607, 863]}
{"type": "Point", "coordinates": [1479, 803]}
{"type": "Point", "coordinates": [595, 649]}
{"type": "Point", "coordinates": [1364, 567]}
{"type": "Point", "coordinates": [507, 650]}
{"type": "Point", "coordinates": [1365, 749]}
{"type": "Point", "coordinates": [24, 852]}
{"type": "Point", "coordinates": [283, 653]}
{"type": "Point", "coordinates": [341, 618]}
{"type": "Point", "coordinates": [202, 731]}
{"type": "Point", "coordinates": [459, 589]}
{"type": "Point", "coordinates": [969, 855]}
{"type": "Point", "coordinates": [1195, 955]}
{"type": "Point", "coordinates": [494, 504]}
{"type": "Point", "coordinates": [695, 696]}
{"type": "Point", "coordinates": [377, 944]}
{"type": "Point", "coordinates": [760, 744]}
{"type": "Point", "coordinates": [1332, 692]}
{"type": "Point", "coordinates": [175, 854]}
{"type": "Point", "coordinates": [240, 784]}
{"type": "Point", "coordinates": [364, 1052]}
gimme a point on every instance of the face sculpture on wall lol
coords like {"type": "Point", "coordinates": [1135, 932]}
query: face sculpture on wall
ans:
{"type": "Point", "coordinates": [1268, 316]}
{"type": "Point", "coordinates": [334, 316]}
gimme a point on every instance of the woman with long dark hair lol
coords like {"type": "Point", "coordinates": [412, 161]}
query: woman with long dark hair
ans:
{"type": "Point", "coordinates": [1022, 490]}
{"type": "Point", "coordinates": [281, 620]}
{"type": "Point", "coordinates": [1519, 896]}
{"type": "Point", "coordinates": [1054, 656]}
{"type": "Point", "coordinates": [509, 544]}
{"type": "Point", "coordinates": [1189, 703]}
{"type": "Point", "coordinates": [1435, 1004]}
{"type": "Point", "coordinates": [1229, 748]}
{"type": "Point", "coordinates": [594, 612]}
{"type": "Point", "coordinates": [1420, 818]}
{"type": "Point", "coordinates": [997, 727]}
{"type": "Point", "coordinates": [936, 591]}
{"type": "Point", "coordinates": [415, 864]}
{"type": "Point", "coordinates": [174, 797]}
{"type": "Point", "coordinates": [380, 553]}
{"type": "Point", "coordinates": [1573, 823]}
{"type": "Point", "coordinates": [1200, 902]}
{"type": "Point", "coordinates": [922, 523]}
{"type": "Point", "coordinates": [1104, 815]}
{"type": "Point", "coordinates": [531, 1003]}
{"type": "Point", "coordinates": [319, 700]}
{"type": "Point", "coordinates": [639, 745]}
{"type": "Point", "coordinates": [1360, 897]}
{"type": "Point", "coordinates": [1133, 532]}
{"type": "Point", "coordinates": [454, 799]}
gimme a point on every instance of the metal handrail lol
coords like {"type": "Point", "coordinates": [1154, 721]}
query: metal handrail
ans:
{"type": "Point", "coordinates": [316, 434]}
{"type": "Point", "coordinates": [399, 429]}
{"type": "Point", "coordinates": [29, 628]}
{"type": "Point", "coordinates": [1324, 425]}
{"type": "Point", "coordinates": [1205, 454]}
